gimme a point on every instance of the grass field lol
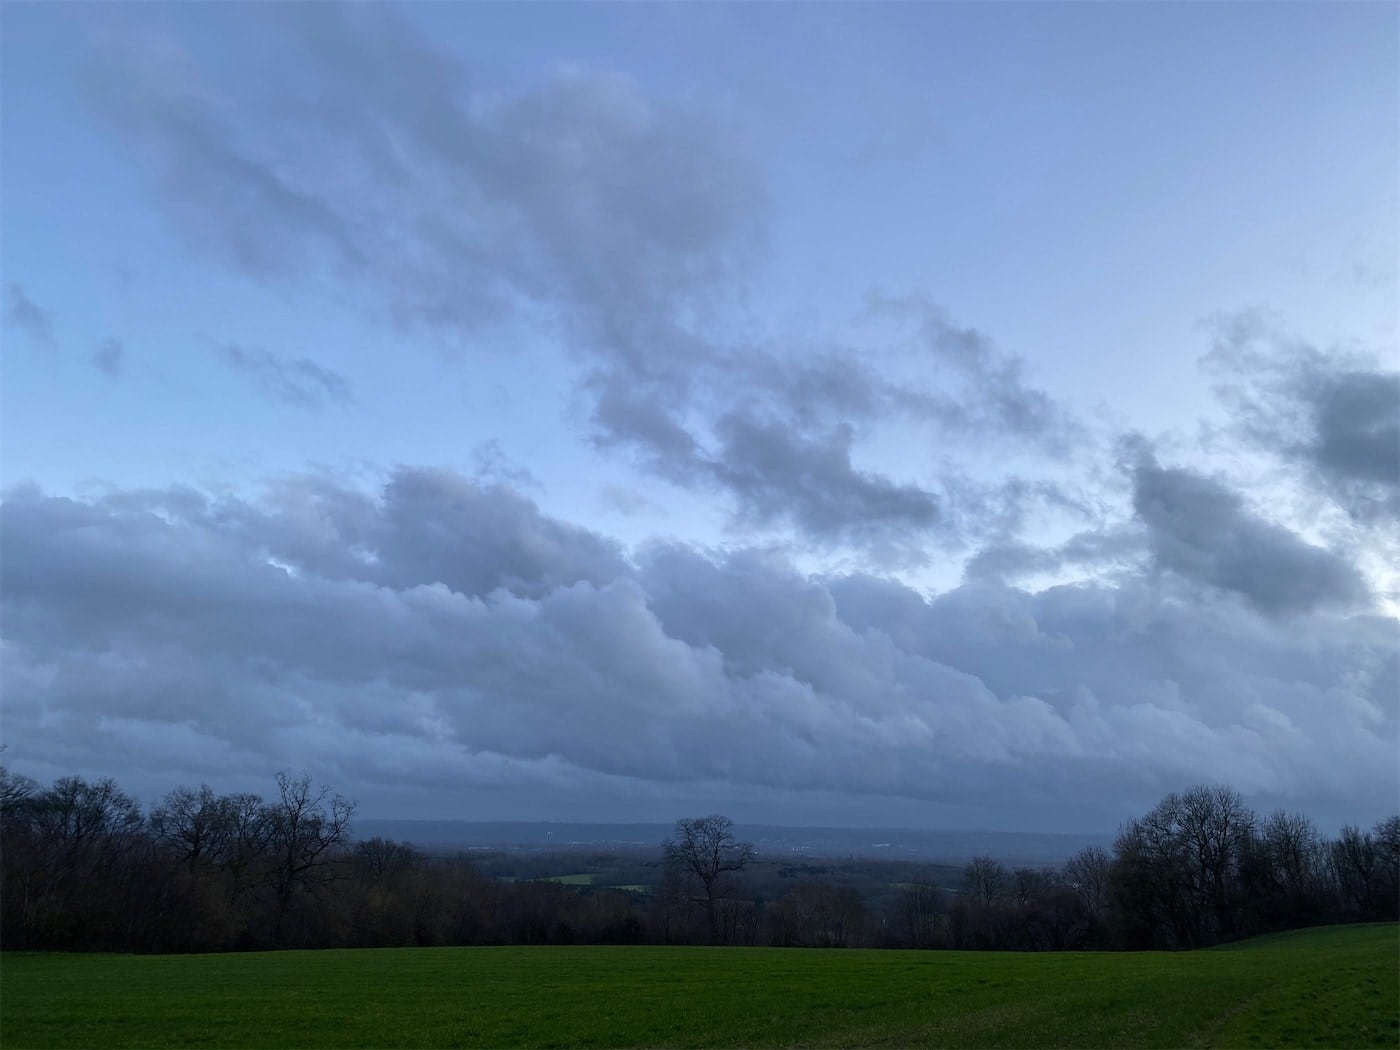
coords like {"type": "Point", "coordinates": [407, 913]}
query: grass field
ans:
{"type": "Point", "coordinates": [1332, 987]}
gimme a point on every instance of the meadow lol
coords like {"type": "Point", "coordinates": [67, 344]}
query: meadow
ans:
{"type": "Point", "coordinates": [1332, 987]}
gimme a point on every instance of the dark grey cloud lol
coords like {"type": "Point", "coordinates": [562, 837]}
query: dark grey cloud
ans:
{"type": "Point", "coordinates": [27, 316]}
{"type": "Point", "coordinates": [441, 632]}
{"type": "Point", "coordinates": [779, 473]}
{"type": "Point", "coordinates": [777, 438]}
{"type": "Point", "coordinates": [648, 422]}
{"type": "Point", "coordinates": [434, 527]}
{"type": "Point", "coordinates": [775, 428]}
{"type": "Point", "coordinates": [1201, 530]}
{"type": "Point", "coordinates": [293, 381]}
{"type": "Point", "coordinates": [425, 528]}
{"type": "Point", "coordinates": [110, 358]}
{"type": "Point", "coordinates": [776, 431]}
{"type": "Point", "coordinates": [1336, 416]}
{"type": "Point", "coordinates": [364, 158]}
{"type": "Point", "coordinates": [1356, 428]}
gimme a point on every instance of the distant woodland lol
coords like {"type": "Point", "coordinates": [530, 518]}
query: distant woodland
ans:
{"type": "Point", "coordinates": [85, 868]}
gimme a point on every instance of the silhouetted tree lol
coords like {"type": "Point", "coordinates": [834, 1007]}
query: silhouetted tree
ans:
{"type": "Point", "coordinates": [192, 826]}
{"type": "Point", "coordinates": [920, 905]}
{"type": "Point", "coordinates": [985, 880]}
{"type": "Point", "coordinates": [1284, 875]}
{"type": "Point", "coordinates": [1366, 867]}
{"type": "Point", "coordinates": [82, 840]}
{"type": "Point", "coordinates": [305, 827]}
{"type": "Point", "coordinates": [1177, 873]}
{"type": "Point", "coordinates": [379, 860]}
{"type": "Point", "coordinates": [1217, 827]}
{"type": "Point", "coordinates": [1387, 837]}
{"type": "Point", "coordinates": [82, 869]}
{"type": "Point", "coordinates": [1086, 873]}
{"type": "Point", "coordinates": [1029, 885]}
{"type": "Point", "coordinates": [815, 914]}
{"type": "Point", "coordinates": [706, 848]}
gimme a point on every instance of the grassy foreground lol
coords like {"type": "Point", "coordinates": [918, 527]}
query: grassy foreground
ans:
{"type": "Point", "coordinates": [1332, 987]}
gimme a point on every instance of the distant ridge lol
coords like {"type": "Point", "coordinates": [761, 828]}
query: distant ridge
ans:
{"type": "Point", "coordinates": [1010, 847]}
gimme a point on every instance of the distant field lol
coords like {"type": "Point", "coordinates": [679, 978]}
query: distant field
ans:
{"type": "Point", "coordinates": [1333, 987]}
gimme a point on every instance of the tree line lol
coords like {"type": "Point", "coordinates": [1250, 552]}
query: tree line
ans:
{"type": "Point", "coordinates": [1198, 869]}
{"type": "Point", "coordinates": [84, 867]}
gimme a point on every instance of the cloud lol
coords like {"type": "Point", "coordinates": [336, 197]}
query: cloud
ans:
{"type": "Point", "coordinates": [1006, 561]}
{"type": "Point", "coordinates": [293, 381]}
{"type": "Point", "coordinates": [221, 190]}
{"type": "Point", "coordinates": [455, 621]}
{"type": "Point", "coordinates": [427, 528]}
{"type": "Point", "coordinates": [777, 429]}
{"type": "Point", "coordinates": [110, 358]}
{"type": "Point", "coordinates": [1336, 416]}
{"type": "Point", "coordinates": [1201, 530]}
{"type": "Point", "coordinates": [622, 222]}
{"type": "Point", "coordinates": [981, 389]}
{"type": "Point", "coordinates": [23, 313]}
{"type": "Point", "coordinates": [366, 152]}
{"type": "Point", "coordinates": [491, 463]}
{"type": "Point", "coordinates": [1356, 435]}
{"type": "Point", "coordinates": [781, 451]}
{"type": "Point", "coordinates": [777, 473]}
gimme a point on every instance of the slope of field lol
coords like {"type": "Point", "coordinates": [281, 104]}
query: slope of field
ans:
{"type": "Point", "coordinates": [1330, 987]}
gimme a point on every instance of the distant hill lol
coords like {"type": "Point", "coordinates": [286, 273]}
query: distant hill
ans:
{"type": "Point", "coordinates": [1010, 847]}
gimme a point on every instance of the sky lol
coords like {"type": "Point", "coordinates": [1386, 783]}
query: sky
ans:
{"type": "Point", "coordinates": [926, 415]}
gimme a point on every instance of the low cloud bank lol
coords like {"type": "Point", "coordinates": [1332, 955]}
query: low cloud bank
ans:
{"type": "Point", "coordinates": [440, 629]}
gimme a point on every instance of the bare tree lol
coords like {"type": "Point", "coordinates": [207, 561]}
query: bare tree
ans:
{"type": "Point", "coordinates": [306, 825]}
{"type": "Point", "coordinates": [1294, 849]}
{"type": "Point", "coordinates": [819, 915]}
{"type": "Point", "coordinates": [247, 839]}
{"type": "Point", "coordinates": [15, 790]}
{"type": "Point", "coordinates": [706, 848]}
{"type": "Point", "coordinates": [1386, 835]}
{"type": "Point", "coordinates": [190, 824]}
{"type": "Point", "coordinates": [1355, 864]}
{"type": "Point", "coordinates": [381, 860]}
{"type": "Point", "coordinates": [1217, 828]}
{"type": "Point", "coordinates": [86, 824]}
{"type": "Point", "coordinates": [1029, 885]}
{"type": "Point", "coordinates": [1178, 876]}
{"type": "Point", "coordinates": [985, 880]}
{"type": "Point", "coordinates": [921, 903]}
{"type": "Point", "coordinates": [1087, 874]}
{"type": "Point", "coordinates": [81, 844]}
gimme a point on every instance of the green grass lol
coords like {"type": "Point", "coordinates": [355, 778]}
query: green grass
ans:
{"type": "Point", "coordinates": [1333, 987]}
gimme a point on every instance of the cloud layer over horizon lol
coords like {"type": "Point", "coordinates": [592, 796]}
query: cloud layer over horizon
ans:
{"type": "Point", "coordinates": [871, 550]}
{"type": "Point", "coordinates": [441, 629]}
